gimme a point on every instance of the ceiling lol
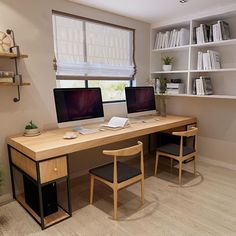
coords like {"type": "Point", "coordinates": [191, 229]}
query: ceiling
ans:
{"type": "Point", "coordinates": [153, 11]}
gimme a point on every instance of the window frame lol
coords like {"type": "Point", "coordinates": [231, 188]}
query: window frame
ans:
{"type": "Point", "coordinates": [79, 77]}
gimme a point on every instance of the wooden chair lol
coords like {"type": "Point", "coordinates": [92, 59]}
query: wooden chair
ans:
{"type": "Point", "coordinates": [180, 152]}
{"type": "Point", "coordinates": [118, 175]}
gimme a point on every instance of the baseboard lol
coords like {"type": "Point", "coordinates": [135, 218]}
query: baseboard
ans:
{"type": "Point", "coordinates": [217, 163]}
{"type": "Point", "coordinates": [6, 198]}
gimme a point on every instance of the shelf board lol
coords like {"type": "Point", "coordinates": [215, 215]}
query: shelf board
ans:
{"type": "Point", "coordinates": [180, 48]}
{"type": "Point", "coordinates": [48, 220]}
{"type": "Point", "coordinates": [215, 96]}
{"type": "Point", "coordinates": [170, 72]}
{"type": "Point", "coordinates": [12, 55]}
{"type": "Point", "coordinates": [13, 84]}
{"type": "Point", "coordinates": [215, 44]}
{"type": "Point", "coordinates": [216, 70]}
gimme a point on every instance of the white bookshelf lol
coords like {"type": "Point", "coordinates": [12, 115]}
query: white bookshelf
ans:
{"type": "Point", "coordinates": [185, 58]}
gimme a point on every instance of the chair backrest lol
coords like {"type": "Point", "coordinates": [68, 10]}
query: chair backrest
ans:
{"type": "Point", "coordinates": [189, 133]}
{"type": "Point", "coordinates": [192, 132]}
{"type": "Point", "coordinates": [126, 152]}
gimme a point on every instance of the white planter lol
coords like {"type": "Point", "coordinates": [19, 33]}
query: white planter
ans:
{"type": "Point", "coordinates": [31, 131]}
{"type": "Point", "coordinates": [167, 67]}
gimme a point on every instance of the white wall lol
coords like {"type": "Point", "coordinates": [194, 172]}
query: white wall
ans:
{"type": "Point", "coordinates": [31, 22]}
{"type": "Point", "coordinates": [217, 127]}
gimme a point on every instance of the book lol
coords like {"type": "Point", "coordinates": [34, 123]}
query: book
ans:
{"type": "Point", "coordinates": [202, 86]}
{"type": "Point", "coordinates": [194, 35]}
{"type": "Point", "coordinates": [207, 86]}
{"type": "Point", "coordinates": [194, 89]}
{"type": "Point", "coordinates": [175, 88]}
{"type": "Point", "coordinates": [205, 61]}
{"type": "Point", "coordinates": [224, 28]}
{"type": "Point", "coordinates": [210, 39]}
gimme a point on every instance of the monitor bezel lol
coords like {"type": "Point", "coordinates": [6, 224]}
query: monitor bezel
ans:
{"type": "Point", "coordinates": [140, 113]}
{"type": "Point", "coordinates": [80, 122]}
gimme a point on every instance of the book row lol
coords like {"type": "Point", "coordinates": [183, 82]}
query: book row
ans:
{"type": "Point", "coordinates": [211, 33]}
{"type": "Point", "coordinates": [172, 38]}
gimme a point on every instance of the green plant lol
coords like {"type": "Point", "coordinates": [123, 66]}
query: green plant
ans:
{"type": "Point", "coordinates": [31, 125]}
{"type": "Point", "coordinates": [167, 60]}
{"type": "Point", "coordinates": [162, 85]}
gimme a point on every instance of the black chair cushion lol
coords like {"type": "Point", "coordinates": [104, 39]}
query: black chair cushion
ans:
{"type": "Point", "coordinates": [174, 149]}
{"type": "Point", "coordinates": [124, 172]}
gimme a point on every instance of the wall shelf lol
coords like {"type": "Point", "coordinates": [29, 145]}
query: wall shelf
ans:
{"type": "Point", "coordinates": [170, 72]}
{"type": "Point", "coordinates": [215, 44]}
{"type": "Point", "coordinates": [173, 49]}
{"type": "Point", "coordinates": [202, 96]}
{"type": "Point", "coordinates": [2, 84]}
{"type": "Point", "coordinates": [186, 58]}
{"type": "Point", "coordinates": [217, 70]}
{"type": "Point", "coordinates": [12, 55]}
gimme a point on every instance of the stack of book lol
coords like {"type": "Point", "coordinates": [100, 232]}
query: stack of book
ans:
{"type": "Point", "coordinates": [209, 60]}
{"type": "Point", "coordinates": [174, 88]}
{"type": "Point", "coordinates": [202, 86]}
{"type": "Point", "coordinates": [174, 38]}
{"type": "Point", "coordinates": [6, 77]}
{"type": "Point", "coordinates": [211, 33]}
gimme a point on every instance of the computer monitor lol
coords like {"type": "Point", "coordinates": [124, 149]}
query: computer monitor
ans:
{"type": "Point", "coordinates": [140, 101]}
{"type": "Point", "coordinates": [77, 106]}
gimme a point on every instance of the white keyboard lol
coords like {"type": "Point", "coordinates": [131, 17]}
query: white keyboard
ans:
{"type": "Point", "coordinates": [88, 131]}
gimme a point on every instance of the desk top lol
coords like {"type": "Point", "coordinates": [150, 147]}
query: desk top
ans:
{"type": "Point", "coordinates": [51, 143]}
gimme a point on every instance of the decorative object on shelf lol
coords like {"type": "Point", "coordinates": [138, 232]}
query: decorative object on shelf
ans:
{"type": "Point", "coordinates": [31, 129]}
{"type": "Point", "coordinates": [167, 63]}
{"type": "Point", "coordinates": [161, 99]}
{"type": "Point", "coordinates": [5, 42]}
{"type": "Point", "coordinates": [161, 85]}
{"type": "Point", "coordinates": [12, 51]}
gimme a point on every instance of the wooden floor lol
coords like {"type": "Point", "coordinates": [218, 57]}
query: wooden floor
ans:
{"type": "Point", "coordinates": [206, 205]}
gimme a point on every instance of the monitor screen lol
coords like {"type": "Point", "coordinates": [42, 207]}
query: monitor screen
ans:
{"type": "Point", "coordinates": [76, 104]}
{"type": "Point", "coordinates": [140, 99]}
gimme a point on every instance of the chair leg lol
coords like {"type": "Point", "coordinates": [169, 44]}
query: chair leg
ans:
{"type": "Point", "coordinates": [171, 165]}
{"type": "Point", "coordinates": [156, 164]}
{"type": "Point", "coordinates": [91, 188]}
{"type": "Point", "coordinates": [142, 191]}
{"type": "Point", "coordinates": [115, 198]}
{"type": "Point", "coordinates": [194, 165]}
{"type": "Point", "coordinates": [180, 172]}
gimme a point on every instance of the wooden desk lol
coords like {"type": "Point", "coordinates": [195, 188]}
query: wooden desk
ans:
{"type": "Point", "coordinates": [44, 158]}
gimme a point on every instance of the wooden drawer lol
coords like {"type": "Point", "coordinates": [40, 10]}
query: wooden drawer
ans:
{"type": "Point", "coordinates": [53, 169]}
{"type": "Point", "coordinates": [24, 163]}
{"type": "Point", "coordinates": [49, 170]}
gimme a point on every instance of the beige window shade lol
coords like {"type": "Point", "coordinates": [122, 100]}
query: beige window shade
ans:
{"type": "Point", "coordinates": [92, 50]}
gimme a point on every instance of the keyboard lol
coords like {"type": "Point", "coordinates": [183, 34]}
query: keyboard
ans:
{"type": "Point", "coordinates": [88, 131]}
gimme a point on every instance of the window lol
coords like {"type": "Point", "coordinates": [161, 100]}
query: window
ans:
{"type": "Point", "coordinates": [100, 53]}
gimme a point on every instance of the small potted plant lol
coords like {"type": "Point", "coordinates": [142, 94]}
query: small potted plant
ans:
{"type": "Point", "coordinates": [167, 63]}
{"type": "Point", "coordinates": [31, 129]}
{"type": "Point", "coordinates": [162, 96]}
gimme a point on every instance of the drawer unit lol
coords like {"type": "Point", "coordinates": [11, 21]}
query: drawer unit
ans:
{"type": "Point", "coordinates": [49, 170]}
{"type": "Point", "coordinates": [53, 169]}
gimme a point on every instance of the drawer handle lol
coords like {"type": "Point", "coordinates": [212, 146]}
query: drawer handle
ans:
{"type": "Point", "coordinates": [55, 169]}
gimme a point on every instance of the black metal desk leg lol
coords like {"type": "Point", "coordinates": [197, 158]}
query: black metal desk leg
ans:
{"type": "Point", "coordinates": [40, 196]}
{"type": "Point", "coordinates": [11, 172]}
{"type": "Point", "coordinates": [68, 186]}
